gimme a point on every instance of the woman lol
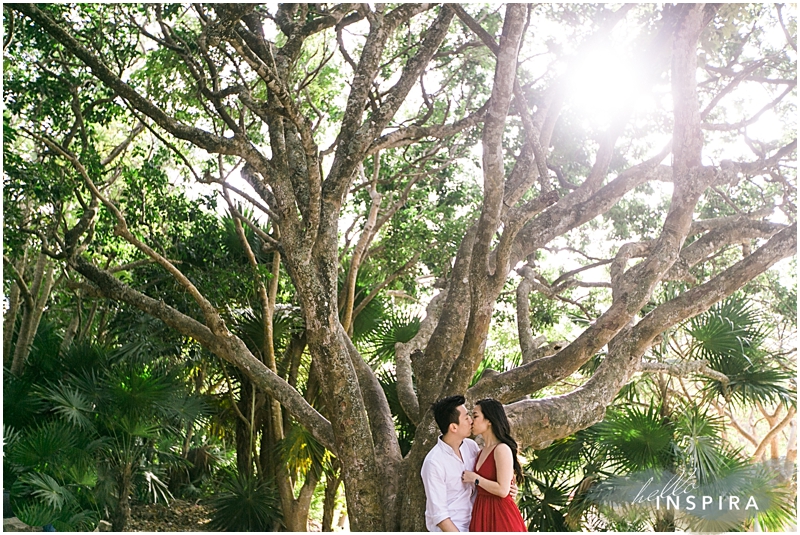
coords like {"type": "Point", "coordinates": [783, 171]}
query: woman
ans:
{"type": "Point", "coordinates": [497, 464]}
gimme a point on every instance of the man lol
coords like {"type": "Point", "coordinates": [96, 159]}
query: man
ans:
{"type": "Point", "coordinates": [449, 500]}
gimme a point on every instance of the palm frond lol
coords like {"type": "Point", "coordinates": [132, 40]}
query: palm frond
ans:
{"type": "Point", "coordinates": [83, 356]}
{"type": "Point", "coordinates": [185, 408]}
{"type": "Point", "coordinates": [563, 458]}
{"type": "Point", "coordinates": [751, 380]}
{"type": "Point", "coordinates": [35, 513]}
{"type": "Point", "coordinates": [635, 439]}
{"type": "Point", "coordinates": [244, 504]}
{"type": "Point", "coordinates": [46, 489]}
{"type": "Point", "coordinates": [21, 408]}
{"type": "Point", "coordinates": [82, 521]}
{"type": "Point", "coordinates": [730, 328]}
{"type": "Point", "coordinates": [396, 327]}
{"type": "Point", "coordinates": [136, 390]}
{"type": "Point", "coordinates": [369, 319]}
{"type": "Point", "coordinates": [286, 321]}
{"type": "Point", "coordinates": [542, 504]}
{"type": "Point", "coordinates": [43, 444]}
{"type": "Point", "coordinates": [699, 441]}
{"type": "Point", "coordinates": [44, 362]}
{"type": "Point", "coordinates": [10, 437]}
{"type": "Point", "coordinates": [69, 403]}
{"type": "Point", "coordinates": [301, 452]}
{"type": "Point", "coordinates": [156, 488]}
{"type": "Point", "coordinates": [126, 428]}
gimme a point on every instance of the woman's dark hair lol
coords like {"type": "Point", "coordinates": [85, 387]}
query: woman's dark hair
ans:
{"type": "Point", "coordinates": [493, 411]}
{"type": "Point", "coordinates": [445, 412]}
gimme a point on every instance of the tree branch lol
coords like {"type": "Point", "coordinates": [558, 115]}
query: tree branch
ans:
{"type": "Point", "coordinates": [23, 288]}
{"type": "Point", "coordinates": [772, 432]}
{"type": "Point", "coordinates": [683, 369]}
{"type": "Point", "coordinates": [228, 346]}
{"type": "Point", "coordinates": [516, 383]}
{"type": "Point", "coordinates": [201, 138]}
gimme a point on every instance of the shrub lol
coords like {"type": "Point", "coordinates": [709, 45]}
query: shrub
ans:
{"type": "Point", "coordinates": [245, 503]}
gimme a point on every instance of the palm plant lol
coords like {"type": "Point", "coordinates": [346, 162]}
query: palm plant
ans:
{"type": "Point", "coordinates": [84, 434]}
{"type": "Point", "coordinates": [730, 337]}
{"type": "Point", "coordinates": [660, 426]}
{"type": "Point", "coordinates": [389, 328]}
{"type": "Point", "coordinates": [244, 503]}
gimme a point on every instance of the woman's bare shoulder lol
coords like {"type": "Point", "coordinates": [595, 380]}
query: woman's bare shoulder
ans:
{"type": "Point", "coordinates": [502, 449]}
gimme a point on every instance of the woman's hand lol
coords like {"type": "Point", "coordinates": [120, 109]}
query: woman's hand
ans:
{"type": "Point", "coordinates": [468, 477]}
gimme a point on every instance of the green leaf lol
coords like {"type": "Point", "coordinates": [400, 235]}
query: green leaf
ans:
{"type": "Point", "coordinates": [47, 489]}
{"type": "Point", "coordinates": [70, 404]}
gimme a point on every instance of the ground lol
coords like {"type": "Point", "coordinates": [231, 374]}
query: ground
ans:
{"type": "Point", "coordinates": [181, 515]}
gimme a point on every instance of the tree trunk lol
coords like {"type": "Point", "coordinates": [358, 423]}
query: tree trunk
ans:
{"type": "Point", "coordinates": [122, 516]}
{"type": "Point", "coordinates": [244, 450]}
{"type": "Point", "coordinates": [10, 319]}
{"type": "Point", "coordinates": [297, 517]}
{"type": "Point", "coordinates": [40, 290]}
{"type": "Point", "coordinates": [9, 322]}
{"type": "Point", "coordinates": [317, 288]}
{"type": "Point", "coordinates": [332, 482]}
{"type": "Point", "coordinates": [69, 333]}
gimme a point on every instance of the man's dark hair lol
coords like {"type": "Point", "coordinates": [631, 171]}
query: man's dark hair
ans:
{"type": "Point", "coordinates": [445, 412]}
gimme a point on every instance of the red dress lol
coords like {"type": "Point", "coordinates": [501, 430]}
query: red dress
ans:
{"type": "Point", "coordinates": [491, 512]}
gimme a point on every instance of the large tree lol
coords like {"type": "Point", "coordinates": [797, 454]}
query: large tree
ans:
{"type": "Point", "coordinates": [254, 87]}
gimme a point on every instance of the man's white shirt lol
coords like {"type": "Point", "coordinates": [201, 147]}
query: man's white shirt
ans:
{"type": "Point", "coordinates": [447, 496]}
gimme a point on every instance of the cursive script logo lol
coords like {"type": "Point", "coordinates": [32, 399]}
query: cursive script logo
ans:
{"type": "Point", "coordinates": [677, 485]}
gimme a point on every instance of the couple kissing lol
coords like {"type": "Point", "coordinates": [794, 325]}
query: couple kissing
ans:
{"type": "Point", "coordinates": [469, 488]}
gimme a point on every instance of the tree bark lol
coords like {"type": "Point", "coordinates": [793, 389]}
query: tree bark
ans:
{"type": "Point", "coordinates": [40, 291]}
{"type": "Point", "coordinates": [332, 482]}
{"type": "Point", "coordinates": [9, 321]}
{"type": "Point", "coordinates": [122, 515]}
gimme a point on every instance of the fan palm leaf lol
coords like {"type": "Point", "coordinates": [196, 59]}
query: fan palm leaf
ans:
{"type": "Point", "coordinates": [244, 503]}
{"type": "Point", "coordinates": [699, 441]}
{"type": "Point", "coordinates": [47, 489]}
{"type": "Point", "coordinates": [542, 504]}
{"type": "Point", "coordinates": [21, 407]}
{"type": "Point", "coordinates": [43, 445]}
{"type": "Point", "coordinates": [301, 452]}
{"type": "Point", "coordinates": [286, 321]}
{"type": "Point", "coordinates": [563, 457]}
{"type": "Point", "coordinates": [69, 403]}
{"type": "Point", "coordinates": [635, 438]}
{"type": "Point", "coordinates": [396, 327]}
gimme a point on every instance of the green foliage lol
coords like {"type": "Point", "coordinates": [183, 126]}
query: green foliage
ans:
{"type": "Point", "coordinates": [126, 394]}
{"type": "Point", "coordinates": [301, 453]}
{"type": "Point", "coordinates": [244, 504]}
{"type": "Point", "coordinates": [635, 438]}
{"type": "Point", "coordinates": [590, 480]}
{"type": "Point", "coordinates": [545, 511]}
{"type": "Point", "coordinates": [396, 326]}
{"type": "Point", "coordinates": [730, 338]}
{"type": "Point", "coordinates": [84, 416]}
{"type": "Point", "coordinates": [699, 442]}
{"type": "Point", "coordinates": [403, 424]}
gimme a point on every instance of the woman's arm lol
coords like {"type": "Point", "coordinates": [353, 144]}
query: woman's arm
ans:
{"type": "Point", "coordinates": [505, 473]}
